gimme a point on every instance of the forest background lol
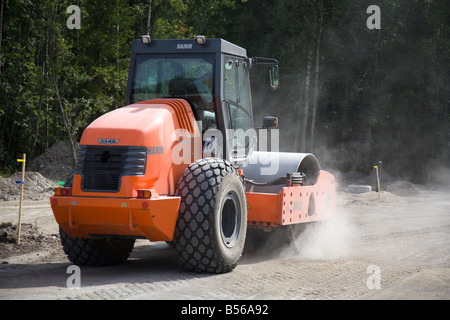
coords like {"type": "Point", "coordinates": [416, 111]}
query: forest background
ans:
{"type": "Point", "coordinates": [350, 94]}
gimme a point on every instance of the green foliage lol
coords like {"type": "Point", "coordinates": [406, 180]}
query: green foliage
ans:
{"type": "Point", "coordinates": [383, 94]}
{"type": "Point", "coordinates": [349, 94]}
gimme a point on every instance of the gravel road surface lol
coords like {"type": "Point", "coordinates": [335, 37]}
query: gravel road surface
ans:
{"type": "Point", "coordinates": [396, 247]}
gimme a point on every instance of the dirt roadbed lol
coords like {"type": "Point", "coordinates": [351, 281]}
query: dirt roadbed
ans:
{"type": "Point", "coordinates": [396, 247]}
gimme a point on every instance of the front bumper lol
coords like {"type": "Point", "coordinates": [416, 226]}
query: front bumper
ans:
{"type": "Point", "coordinates": [90, 217]}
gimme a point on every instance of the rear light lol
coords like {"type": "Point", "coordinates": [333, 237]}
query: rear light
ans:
{"type": "Point", "coordinates": [63, 192]}
{"type": "Point", "coordinates": [144, 194]}
{"type": "Point", "coordinates": [147, 194]}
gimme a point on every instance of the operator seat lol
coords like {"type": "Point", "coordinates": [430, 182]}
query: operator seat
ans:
{"type": "Point", "coordinates": [188, 90]}
{"type": "Point", "coordinates": [184, 89]}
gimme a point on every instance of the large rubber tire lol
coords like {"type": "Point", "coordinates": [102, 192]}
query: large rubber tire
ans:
{"type": "Point", "coordinates": [212, 222]}
{"type": "Point", "coordinates": [94, 252]}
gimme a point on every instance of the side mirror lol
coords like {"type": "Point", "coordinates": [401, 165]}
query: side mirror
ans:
{"type": "Point", "coordinates": [273, 69]}
{"type": "Point", "coordinates": [270, 122]}
{"type": "Point", "coordinates": [274, 78]}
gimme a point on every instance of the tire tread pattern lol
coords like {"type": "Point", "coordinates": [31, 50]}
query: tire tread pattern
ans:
{"type": "Point", "coordinates": [193, 238]}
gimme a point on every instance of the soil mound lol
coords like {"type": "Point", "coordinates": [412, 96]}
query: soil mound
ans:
{"type": "Point", "coordinates": [30, 240]}
{"type": "Point", "coordinates": [56, 163]}
{"type": "Point", "coordinates": [46, 170]}
{"type": "Point", "coordinates": [36, 187]}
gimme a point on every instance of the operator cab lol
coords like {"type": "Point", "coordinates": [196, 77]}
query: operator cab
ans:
{"type": "Point", "coordinates": [212, 75]}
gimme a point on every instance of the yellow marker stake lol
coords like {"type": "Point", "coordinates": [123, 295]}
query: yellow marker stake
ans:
{"type": "Point", "coordinates": [378, 182]}
{"type": "Point", "coordinates": [24, 160]}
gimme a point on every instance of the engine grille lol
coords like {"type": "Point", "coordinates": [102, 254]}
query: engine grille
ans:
{"type": "Point", "coordinates": [102, 167]}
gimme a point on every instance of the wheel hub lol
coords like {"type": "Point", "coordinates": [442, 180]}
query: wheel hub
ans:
{"type": "Point", "coordinates": [230, 219]}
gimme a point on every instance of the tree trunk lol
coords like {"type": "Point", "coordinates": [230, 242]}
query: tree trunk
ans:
{"type": "Point", "coordinates": [299, 116]}
{"type": "Point", "coordinates": [1, 31]}
{"type": "Point", "coordinates": [149, 17]}
{"type": "Point", "coordinates": [307, 103]}
{"type": "Point", "coordinates": [41, 93]}
{"type": "Point", "coordinates": [53, 73]}
{"type": "Point", "coordinates": [316, 83]}
{"type": "Point", "coordinates": [64, 116]}
{"type": "Point", "coordinates": [38, 122]}
{"type": "Point", "coordinates": [11, 134]}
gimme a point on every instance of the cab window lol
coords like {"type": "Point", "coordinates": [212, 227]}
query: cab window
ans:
{"type": "Point", "coordinates": [237, 94]}
{"type": "Point", "coordinates": [175, 76]}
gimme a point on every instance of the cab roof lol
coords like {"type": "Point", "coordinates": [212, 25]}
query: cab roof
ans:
{"type": "Point", "coordinates": [188, 46]}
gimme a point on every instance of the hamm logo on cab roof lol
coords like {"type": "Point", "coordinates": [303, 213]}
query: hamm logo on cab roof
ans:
{"type": "Point", "coordinates": [184, 46]}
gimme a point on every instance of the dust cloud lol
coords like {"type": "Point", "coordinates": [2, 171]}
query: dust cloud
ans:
{"type": "Point", "coordinates": [332, 238]}
{"type": "Point", "coordinates": [361, 218]}
{"type": "Point", "coordinates": [328, 239]}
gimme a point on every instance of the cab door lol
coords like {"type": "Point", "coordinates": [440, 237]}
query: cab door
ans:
{"type": "Point", "coordinates": [237, 108]}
